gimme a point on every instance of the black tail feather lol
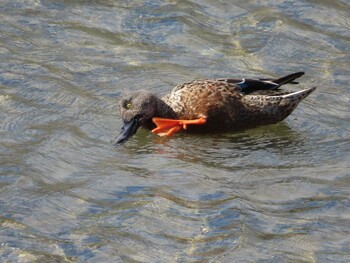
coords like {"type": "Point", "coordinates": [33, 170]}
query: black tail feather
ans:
{"type": "Point", "coordinates": [251, 85]}
{"type": "Point", "coordinates": [289, 78]}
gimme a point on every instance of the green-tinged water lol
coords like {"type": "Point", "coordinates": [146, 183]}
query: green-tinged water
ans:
{"type": "Point", "coordinates": [279, 193]}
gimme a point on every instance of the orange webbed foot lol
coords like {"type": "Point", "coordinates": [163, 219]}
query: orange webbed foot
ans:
{"type": "Point", "coordinates": [168, 127]}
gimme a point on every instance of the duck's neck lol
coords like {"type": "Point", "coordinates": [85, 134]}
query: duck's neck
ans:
{"type": "Point", "coordinates": [163, 110]}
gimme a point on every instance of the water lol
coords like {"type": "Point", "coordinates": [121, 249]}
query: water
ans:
{"type": "Point", "coordinates": [273, 194]}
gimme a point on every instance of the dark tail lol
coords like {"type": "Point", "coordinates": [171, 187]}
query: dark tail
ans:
{"type": "Point", "coordinates": [288, 79]}
{"type": "Point", "coordinates": [251, 85]}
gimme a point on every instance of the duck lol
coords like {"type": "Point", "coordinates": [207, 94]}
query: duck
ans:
{"type": "Point", "coordinates": [210, 106]}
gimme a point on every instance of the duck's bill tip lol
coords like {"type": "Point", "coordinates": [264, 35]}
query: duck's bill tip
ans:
{"type": "Point", "coordinates": [119, 140]}
{"type": "Point", "coordinates": [128, 129]}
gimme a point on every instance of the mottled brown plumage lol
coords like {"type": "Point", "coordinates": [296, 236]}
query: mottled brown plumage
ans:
{"type": "Point", "coordinates": [226, 104]}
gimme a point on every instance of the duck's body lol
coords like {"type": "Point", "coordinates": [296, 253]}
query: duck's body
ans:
{"type": "Point", "coordinates": [220, 105]}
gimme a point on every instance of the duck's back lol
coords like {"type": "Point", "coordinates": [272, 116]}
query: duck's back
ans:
{"type": "Point", "coordinates": [226, 108]}
{"type": "Point", "coordinates": [217, 101]}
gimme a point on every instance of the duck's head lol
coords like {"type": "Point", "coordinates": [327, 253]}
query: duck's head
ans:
{"type": "Point", "coordinates": [136, 109]}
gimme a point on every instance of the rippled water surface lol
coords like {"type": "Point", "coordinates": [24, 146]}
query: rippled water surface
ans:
{"type": "Point", "coordinates": [274, 194]}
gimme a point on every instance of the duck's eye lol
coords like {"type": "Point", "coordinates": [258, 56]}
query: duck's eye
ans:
{"type": "Point", "coordinates": [127, 105]}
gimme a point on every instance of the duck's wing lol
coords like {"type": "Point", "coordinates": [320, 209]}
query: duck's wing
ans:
{"type": "Point", "coordinates": [248, 86]}
{"type": "Point", "coordinates": [203, 85]}
{"type": "Point", "coordinates": [279, 99]}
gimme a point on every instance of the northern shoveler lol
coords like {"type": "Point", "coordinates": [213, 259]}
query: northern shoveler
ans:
{"type": "Point", "coordinates": [213, 105]}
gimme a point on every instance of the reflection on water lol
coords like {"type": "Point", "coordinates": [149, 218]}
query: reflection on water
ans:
{"type": "Point", "coordinates": [278, 193]}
